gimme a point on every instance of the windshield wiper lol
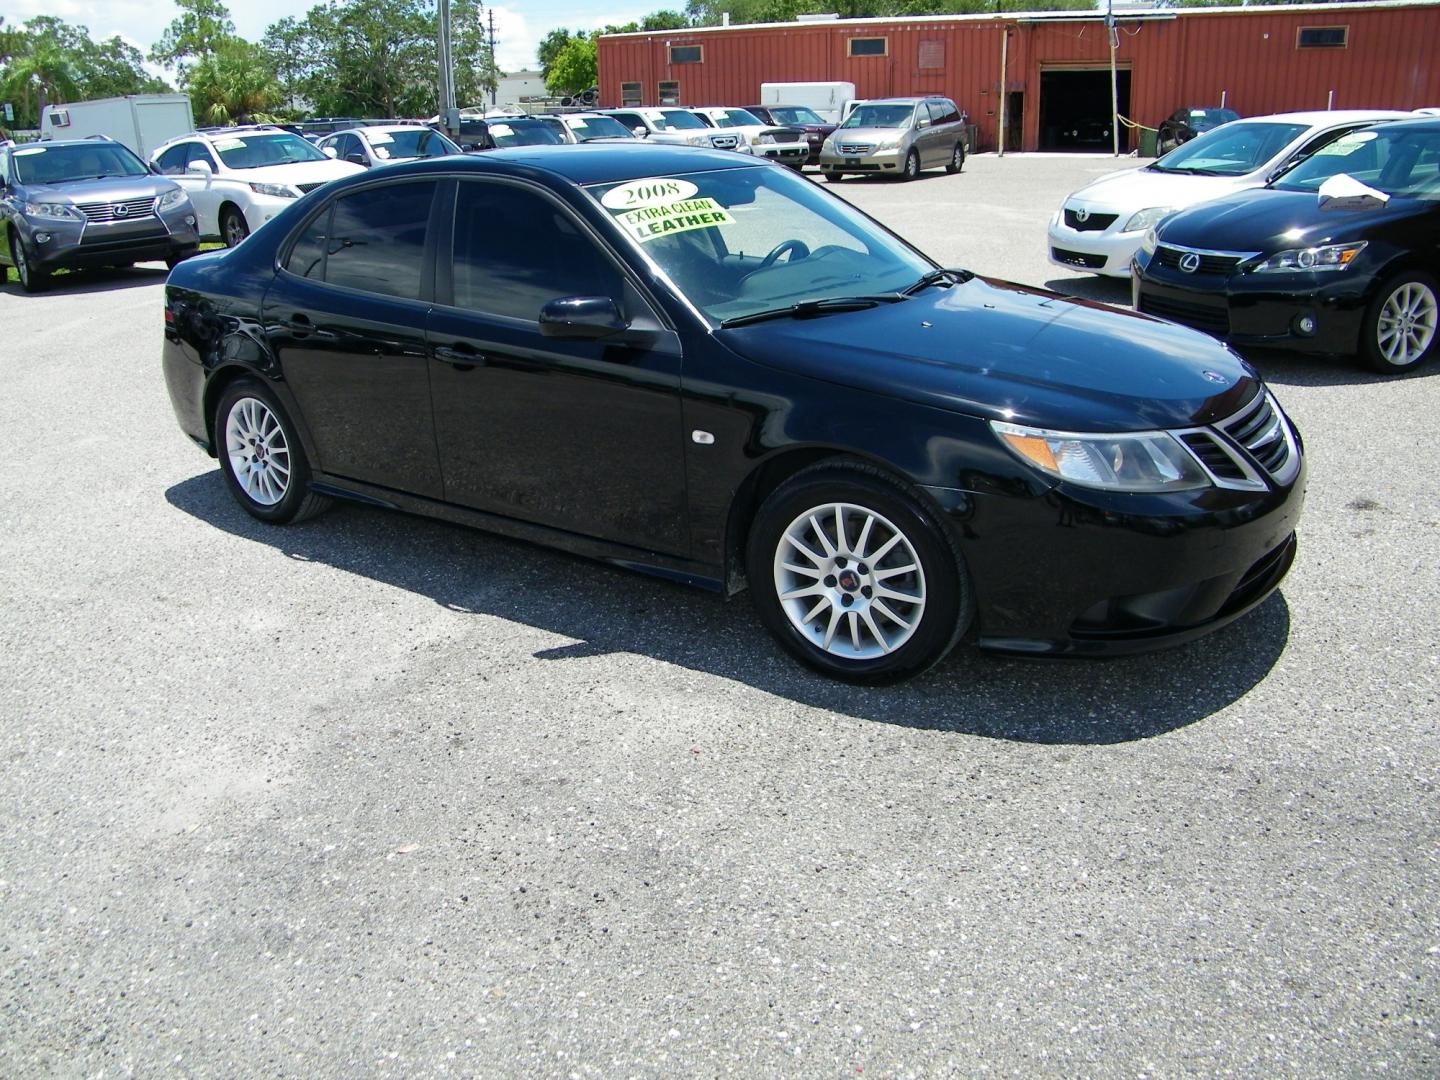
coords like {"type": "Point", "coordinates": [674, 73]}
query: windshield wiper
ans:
{"type": "Point", "coordinates": [1187, 171]}
{"type": "Point", "coordinates": [937, 277]}
{"type": "Point", "coordinates": [806, 308]}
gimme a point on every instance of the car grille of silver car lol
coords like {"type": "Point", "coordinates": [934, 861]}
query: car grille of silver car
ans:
{"type": "Point", "coordinates": [1211, 262]}
{"type": "Point", "coordinates": [128, 210]}
{"type": "Point", "coordinates": [1238, 448]}
{"type": "Point", "coordinates": [725, 142]}
{"type": "Point", "coordinates": [855, 148]}
{"type": "Point", "coordinates": [1090, 222]}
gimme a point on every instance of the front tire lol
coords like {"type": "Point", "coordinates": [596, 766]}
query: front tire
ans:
{"type": "Point", "coordinates": [175, 260]}
{"type": "Point", "coordinates": [912, 166]}
{"type": "Point", "coordinates": [32, 279]}
{"type": "Point", "coordinates": [264, 464]}
{"type": "Point", "coordinates": [1400, 330]}
{"type": "Point", "coordinates": [853, 577]}
{"type": "Point", "coordinates": [233, 227]}
{"type": "Point", "coordinates": [834, 177]}
{"type": "Point", "coordinates": [957, 160]}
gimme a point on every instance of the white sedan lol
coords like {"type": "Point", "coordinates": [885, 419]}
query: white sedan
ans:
{"type": "Point", "coordinates": [785, 145]}
{"type": "Point", "coordinates": [1100, 227]}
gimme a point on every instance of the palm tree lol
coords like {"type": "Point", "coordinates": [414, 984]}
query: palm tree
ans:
{"type": "Point", "coordinates": [38, 74]}
{"type": "Point", "coordinates": [232, 84]}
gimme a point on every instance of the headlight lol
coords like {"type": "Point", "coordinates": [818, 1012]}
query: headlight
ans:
{"type": "Point", "coordinates": [54, 211]}
{"type": "Point", "coordinates": [1329, 257]}
{"type": "Point", "coordinates": [1148, 244]}
{"type": "Point", "coordinates": [1144, 461]}
{"type": "Point", "coordinates": [887, 144]}
{"type": "Point", "coordinates": [1146, 218]}
{"type": "Point", "coordinates": [279, 191]}
{"type": "Point", "coordinates": [169, 199]}
{"type": "Point", "coordinates": [698, 140]}
{"type": "Point", "coordinates": [763, 139]}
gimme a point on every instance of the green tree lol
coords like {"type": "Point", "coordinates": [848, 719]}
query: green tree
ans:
{"type": "Point", "coordinates": [203, 25]}
{"type": "Point", "coordinates": [551, 46]}
{"type": "Point", "coordinates": [42, 74]}
{"type": "Point", "coordinates": [573, 70]}
{"type": "Point", "coordinates": [233, 83]}
{"type": "Point", "coordinates": [664, 20]}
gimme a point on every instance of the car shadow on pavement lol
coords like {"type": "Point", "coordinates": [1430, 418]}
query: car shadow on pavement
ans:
{"type": "Point", "coordinates": [606, 610]}
{"type": "Point", "coordinates": [76, 282]}
{"type": "Point", "coordinates": [1296, 369]}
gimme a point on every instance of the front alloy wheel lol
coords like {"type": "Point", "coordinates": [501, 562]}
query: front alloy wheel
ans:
{"type": "Point", "coordinates": [912, 166]}
{"type": "Point", "coordinates": [31, 279]}
{"type": "Point", "coordinates": [1401, 327]}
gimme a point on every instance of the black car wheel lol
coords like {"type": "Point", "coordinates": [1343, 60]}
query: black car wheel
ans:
{"type": "Point", "coordinates": [175, 260]}
{"type": "Point", "coordinates": [1400, 328]}
{"type": "Point", "coordinates": [957, 160]}
{"type": "Point", "coordinates": [834, 177]}
{"type": "Point", "coordinates": [263, 461]}
{"type": "Point", "coordinates": [32, 279]}
{"type": "Point", "coordinates": [233, 228]}
{"type": "Point", "coordinates": [853, 577]}
{"type": "Point", "coordinates": [912, 166]}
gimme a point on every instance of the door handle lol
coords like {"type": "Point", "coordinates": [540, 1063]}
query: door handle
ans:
{"type": "Point", "coordinates": [460, 357]}
{"type": "Point", "coordinates": [300, 326]}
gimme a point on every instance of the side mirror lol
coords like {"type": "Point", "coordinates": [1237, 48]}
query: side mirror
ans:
{"type": "Point", "coordinates": [202, 168]}
{"type": "Point", "coordinates": [331, 152]}
{"type": "Point", "coordinates": [640, 132]}
{"type": "Point", "coordinates": [357, 159]}
{"type": "Point", "coordinates": [583, 318]}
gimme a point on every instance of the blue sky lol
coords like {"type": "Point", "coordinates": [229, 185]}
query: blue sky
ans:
{"type": "Point", "coordinates": [517, 29]}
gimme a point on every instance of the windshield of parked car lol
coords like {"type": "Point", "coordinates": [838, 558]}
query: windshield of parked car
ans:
{"type": "Point", "coordinates": [1205, 119]}
{"type": "Point", "coordinates": [795, 116]}
{"type": "Point", "coordinates": [410, 142]}
{"type": "Point", "coordinates": [741, 241]}
{"type": "Point", "coordinates": [1398, 163]}
{"type": "Point", "coordinates": [536, 133]}
{"type": "Point", "coordinates": [675, 119]}
{"type": "Point", "coordinates": [40, 164]}
{"type": "Point", "coordinates": [735, 118]}
{"type": "Point", "coordinates": [586, 128]}
{"type": "Point", "coordinates": [245, 150]}
{"type": "Point", "coordinates": [879, 116]}
{"type": "Point", "coordinates": [1237, 148]}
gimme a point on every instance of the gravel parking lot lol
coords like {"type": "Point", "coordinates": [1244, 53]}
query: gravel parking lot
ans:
{"type": "Point", "coordinates": [376, 796]}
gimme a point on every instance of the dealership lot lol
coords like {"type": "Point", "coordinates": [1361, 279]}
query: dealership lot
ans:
{"type": "Point", "coordinates": [377, 796]}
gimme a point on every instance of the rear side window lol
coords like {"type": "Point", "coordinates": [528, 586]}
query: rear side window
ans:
{"type": "Point", "coordinates": [372, 240]}
{"type": "Point", "coordinates": [172, 161]}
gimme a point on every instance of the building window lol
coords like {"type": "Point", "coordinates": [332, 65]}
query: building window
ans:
{"type": "Point", "coordinates": [669, 93]}
{"type": "Point", "coordinates": [629, 95]}
{"type": "Point", "coordinates": [932, 55]}
{"type": "Point", "coordinates": [1322, 37]}
{"type": "Point", "coordinates": [687, 54]}
{"type": "Point", "coordinates": [869, 46]}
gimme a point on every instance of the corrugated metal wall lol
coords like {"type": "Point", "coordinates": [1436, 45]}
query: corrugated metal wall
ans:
{"type": "Point", "coordinates": [1392, 61]}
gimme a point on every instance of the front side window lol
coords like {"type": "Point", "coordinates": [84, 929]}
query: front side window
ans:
{"type": "Point", "coordinates": [880, 116]}
{"type": "Point", "coordinates": [516, 250]}
{"type": "Point", "coordinates": [372, 240]}
{"type": "Point", "coordinates": [1232, 150]}
{"type": "Point", "coordinates": [1403, 164]}
{"type": "Point", "coordinates": [411, 142]}
{"type": "Point", "coordinates": [41, 164]}
{"type": "Point", "coordinates": [172, 161]}
{"type": "Point", "coordinates": [255, 151]}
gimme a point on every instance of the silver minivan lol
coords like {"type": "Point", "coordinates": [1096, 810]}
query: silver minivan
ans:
{"type": "Point", "coordinates": [899, 136]}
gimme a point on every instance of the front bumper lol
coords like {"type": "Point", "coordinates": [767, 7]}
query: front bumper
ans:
{"type": "Point", "coordinates": [1078, 572]}
{"type": "Point", "coordinates": [864, 161]}
{"type": "Point", "coordinates": [796, 153]}
{"type": "Point", "coordinates": [1107, 251]}
{"type": "Point", "coordinates": [1301, 312]}
{"type": "Point", "coordinates": [67, 245]}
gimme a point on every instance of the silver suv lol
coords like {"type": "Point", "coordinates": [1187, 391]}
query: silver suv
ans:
{"type": "Point", "coordinates": [84, 203]}
{"type": "Point", "coordinates": [899, 136]}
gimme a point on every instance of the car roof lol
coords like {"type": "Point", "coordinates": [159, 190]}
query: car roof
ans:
{"type": "Point", "coordinates": [1323, 118]}
{"type": "Point", "coordinates": [377, 127]}
{"type": "Point", "coordinates": [1414, 123]}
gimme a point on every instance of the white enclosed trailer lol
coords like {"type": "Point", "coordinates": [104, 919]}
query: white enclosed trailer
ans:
{"type": "Point", "coordinates": [826, 98]}
{"type": "Point", "coordinates": [140, 121]}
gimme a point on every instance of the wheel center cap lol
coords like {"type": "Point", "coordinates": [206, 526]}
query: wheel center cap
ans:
{"type": "Point", "coordinates": [849, 580]}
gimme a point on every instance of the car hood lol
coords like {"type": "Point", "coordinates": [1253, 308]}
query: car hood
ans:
{"type": "Point", "coordinates": [297, 172]}
{"type": "Point", "coordinates": [1007, 352]}
{"type": "Point", "coordinates": [109, 190]}
{"type": "Point", "coordinates": [1267, 220]}
{"type": "Point", "coordinates": [1133, 190]}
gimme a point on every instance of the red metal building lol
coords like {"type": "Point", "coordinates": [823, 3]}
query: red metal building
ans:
{"type": "Point", "coordinates": [1261, 59]}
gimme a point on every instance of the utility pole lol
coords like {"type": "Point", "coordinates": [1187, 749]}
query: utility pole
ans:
{"type": "Point", "coordinates": [494, 70]}
{"type": "Point", "coordinates": [449, 114]}
{"type": "Point", "coordinates": [1114, 79]}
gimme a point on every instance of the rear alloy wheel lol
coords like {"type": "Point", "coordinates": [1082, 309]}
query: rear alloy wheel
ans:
{"type": "Point", "coordinates": [957, 160]}
{"type": "Point", "coordinates": [263, 462]}
{"type": "Point", "coordinates": [1400, 328]}
{"type": "Point", "coordinates": [853, 577]}
{"type": "Point", "coordinates": [32, 279]}
{"type": "Point", "coordinates": [233, 228]}
{"type": "Point", "coordinates": [912, 166]}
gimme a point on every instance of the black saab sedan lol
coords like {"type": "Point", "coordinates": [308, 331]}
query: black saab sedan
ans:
{"type": "Point", "coordinates": [694, 364]}
{"type": "Point", "coordinates": [1339, 255]}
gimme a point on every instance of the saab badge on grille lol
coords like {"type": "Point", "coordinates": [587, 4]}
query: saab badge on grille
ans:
{"type": "Point", "coordinates": [1190, 262]}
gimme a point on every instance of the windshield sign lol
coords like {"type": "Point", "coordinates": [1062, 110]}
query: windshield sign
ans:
{"type": "Point", "coordinates": [258, 151]}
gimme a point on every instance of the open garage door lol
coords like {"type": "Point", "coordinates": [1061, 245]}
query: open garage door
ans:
{"type": "Point", "coordinates": [1075, 109]}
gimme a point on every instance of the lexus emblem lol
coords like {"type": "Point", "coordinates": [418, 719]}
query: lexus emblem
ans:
{"type": "Point", "coordinates": [120, 210]}
{"type": "Point", "coordinates": [1190, 262]}
{"type": "Point", "coordinates": [1082, 216]}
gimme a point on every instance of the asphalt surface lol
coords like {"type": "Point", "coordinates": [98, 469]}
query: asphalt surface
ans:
{"type": "Point", "coordinates": [376, 796]}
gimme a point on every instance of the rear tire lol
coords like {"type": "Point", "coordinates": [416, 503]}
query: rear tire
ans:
{"type": "Point", "coordinates": [957, 160]}
{"type": "Point", "coordinates": [1400, 330]}
{"type": "Point", "coordinates": [233, 227]}
{"type": "Point", "coordinates": [261, 457]}
{"type": "Point", "coordinates": [854, 577]}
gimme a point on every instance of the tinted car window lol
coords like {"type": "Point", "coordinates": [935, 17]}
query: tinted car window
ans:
{"type": "Point", "coordinates": [307, 256]}
{"type": "Point", "coordinates": [375, 240]}
{"type": "Point", "coordinates": [418, 142]}
{"type": "Point", "coordinates": [57, 164]}
{"type": "Point", "coordinates": [631, 120]}
{"type": "Point", "coordinates": [599, 127]}
{"type": "Point", "coordinates": [795, 116]}
{"type": "Point", "coordinates": [1399, 163]}
{"type": "Point", "coordinates": [197, 152]}
{"type": "Point", "coordinates": [944, 111]}
{"type": "Point", "coordinates": [1232, 150]}
{"type": "Point", "coordinates": [527, 133]}
{"type": "Point", "coordinates": [880, 116]}
{"type": "Point", "coordinates": [255, 151]}
{"type": "Point", "coordinates": [515, 251]}
{"type": "Point", "coordinates": [172, 161]}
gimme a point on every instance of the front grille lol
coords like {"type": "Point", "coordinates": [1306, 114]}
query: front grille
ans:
{"type": "Point", "coordinates": [126, 210]}
{"type": "Point", "coordinates": [855, 149]}
{"type": "Point", "coordinates": [1077, 258]}
{"type": "Point", "coordinates": [305, 189]}
{"type": "Point", "coordinates": [1260, 429]}
{"type": "Point", "coordinates": [1214, 262]}
{"type": "Point", "coordinates": [1257, 435]}
{"type": "Point", "coordinates": [1207, 317]}
{"type": "Point", "coordinates": [725, 142]}
{"type": "Point", "coordinates": [1092, 222]}
{"type": "Point", "coordinates": [1213, 455]}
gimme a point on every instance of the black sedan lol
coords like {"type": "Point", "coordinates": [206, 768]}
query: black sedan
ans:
{"type": "Point", "coordinates": [690, 363]}
{"type": "Point", "coordinates": [1340, 255]}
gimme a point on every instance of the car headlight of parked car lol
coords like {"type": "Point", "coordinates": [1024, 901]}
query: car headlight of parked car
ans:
{"type": "Point", "coordinates": [1147, 218]}
{"type": "Point", "coordinates": [1142, 461]}
{"type": "Point", "coordinates": [698, 140]}
{"type": "Point", "coordinates": [53, 211]}
{"type": "Point", "coordinates": [279, 191]}
{"type": "Point", "coordinates": [169, 199]}
{"type": "Point", "coordinates": [1328, 257]}
{"type": "Point", "coordinates": [756, 140]}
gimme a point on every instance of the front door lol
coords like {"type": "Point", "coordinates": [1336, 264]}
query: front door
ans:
{"type": "Point", "coordinates": [583, 436]}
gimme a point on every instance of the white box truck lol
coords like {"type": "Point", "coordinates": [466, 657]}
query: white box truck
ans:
{"type": "Point", "coordinates": [826, 98]}
{"type": "Point", "coordinates": [140, 121]}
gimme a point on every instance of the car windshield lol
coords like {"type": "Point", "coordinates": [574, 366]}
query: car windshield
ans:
{"type": "Point", "coordinates": [247, 151]}
{"type": "Point", "coordinates": [598, 127]}
{"type": "Point", "coordinates": [795, 116]}
{"type": "Point", "coordinates": [1398, 163]}
{"type": "Point", "coordinates": [738, 242]}
{"type": "Point", "coordinates": [410, 142]}
{"type": "Point", "coordinates": [59, 164]}
{"type": "Point", "coordinates": [1232, 150]}
{"type": "Point", "coordinates": [674, 119]}
{"type": "Point", "coordinates": [879, 116]}
{"type": "Point", "coordinates": [536, 133]}
{"type": "Point", "coordinates": [738, 118]}
{"type": "Point", "coordinates": [1205, 119]}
